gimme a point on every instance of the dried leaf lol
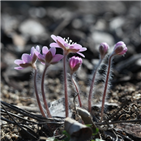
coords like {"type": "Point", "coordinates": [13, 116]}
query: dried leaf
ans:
{"type": "Point", "coordinates": [76, 130]}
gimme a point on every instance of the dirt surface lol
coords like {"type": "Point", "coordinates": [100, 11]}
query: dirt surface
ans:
{"type": "Point", "coordinates": [27, 24]}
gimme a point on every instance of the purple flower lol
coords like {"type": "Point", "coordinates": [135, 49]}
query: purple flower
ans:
{"type": "Point", "coordinates": [49, 56]}
{"type": "Point", "coordinates": [103, 49]}
{"type": "Point", "coordinates": [120, 48]}
{"type": "Point", "coordinates": [75, 63]}
{"type": "Point", "coordinates": [27, 60]}
{"type": "Point", "coordinates": [67, 45]}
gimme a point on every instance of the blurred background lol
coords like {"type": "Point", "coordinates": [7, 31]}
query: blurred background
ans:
{"type": "Point", "coordinates": [29, 23]}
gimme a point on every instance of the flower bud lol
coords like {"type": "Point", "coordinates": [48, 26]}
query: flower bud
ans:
{"type": "Point", "coordinates": [120, 48]}
{"type": "Point", "coordinates": [75, 63]}
{"type": "Point", "coordinates": [103, 49]}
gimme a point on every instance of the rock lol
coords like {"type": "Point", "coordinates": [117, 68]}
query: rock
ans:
{"type": "Point", "coordinates": [100, 25]}
{"type": "Point", "coordinates": [8, 57]}
{"type": "Point", "coordinates": [9, 23]}
{"type": "Point", "coordinates": [38, 12]}
{"type": "Point", "coordinates": [34, 29]}
{"type": "Point", "coordinates": [116, 23]}
{"type": "Point", "coordinates": [116, 7]}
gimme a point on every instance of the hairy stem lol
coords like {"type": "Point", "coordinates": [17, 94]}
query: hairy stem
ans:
{"type": "Point", "coordinates": [65, 85]}
{"type": "Point", "coordinates": [37, 95]}
{"type": "Point", "coordinates": [43, 92]}
{"type": "Point", "coordinates": [91, 87]}
{"type": "Point", "coordinates": [77, 90]}
{"type": "Point", "coordinates": [106, 86]}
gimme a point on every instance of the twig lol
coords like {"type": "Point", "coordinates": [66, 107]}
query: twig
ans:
{"type": "Point", "coordinates": [19, 124]}
{"type": "Point", "coordinates": [18, 117]}
{"type": "Point", "coordinates": [37, 117]}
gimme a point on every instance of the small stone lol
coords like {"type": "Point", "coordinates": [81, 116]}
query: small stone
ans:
{"type": "Point", "coordinates": [8, 137]}
{"type": "Point", "coordinates": [137, 96]}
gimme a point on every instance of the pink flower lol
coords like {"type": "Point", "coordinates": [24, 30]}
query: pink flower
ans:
{"type": "Point", "coordinates": [27, 60]}
{"type": "Point", "coordinates": [75, 63]}
{"type": "Point", "coordinates": [49, 56]}
{"type": "Point", "coordinates": [120, 48]}
{"type": "Point", "coordinates": [67, 46]}
{"type": "Point", "coordinates": [103, 49]}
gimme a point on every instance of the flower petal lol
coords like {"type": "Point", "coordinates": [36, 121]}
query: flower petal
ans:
{"type": "Point", "coordinates": [54, 45]}
{"type": "Point", "coordinates": [81, 54]}
{"type": "Point", "coordinates": [54, 37]}
{"type": "Point", "coordinates": [36, 53]}
{"type": "Point", "coordinates": [48, 57]}
{"type": "Point", "coordinates": [61, 40]}
{"type": "Point", "coordinates": [124, 51]}
{"type": "Point", "coordinates": [38, 48]}
{"type": "Point", "coordinates": [41, 57]}
{"type": "Point", "coordinates": [58, 38]}
{"type": "Point", "coordinates": [73, 50]}
{"type": "Point", "coordinates": [18, 68]}
{"type": "Point", "coordinates": [26, 58]}
{"type": "Point", "coordinates": [53, 50]}
{"type": "Point", "coordinates": [34, 58]}
{"type": "Point", "coordinates": [56, 58]}
{"type": "Point", "coordinates": [77, 46]}
{"type": "Point", "coordinates": [18, 61]}
{"type": "Point", "coordinates": [45, 50]}
{"type": "Point", "coordinates": [83, 49]}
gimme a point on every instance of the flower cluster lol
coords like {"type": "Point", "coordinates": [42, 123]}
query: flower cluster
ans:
{"type": "Point", "coordinates": [47, 56]}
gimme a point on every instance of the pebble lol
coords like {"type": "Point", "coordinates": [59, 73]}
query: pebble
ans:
{"type": "Point", "coordinates": [116, 23]}
{"type": "Point", "coordinates": [34, 29]}
{"type": "Point", "coordinates": [7, 137]}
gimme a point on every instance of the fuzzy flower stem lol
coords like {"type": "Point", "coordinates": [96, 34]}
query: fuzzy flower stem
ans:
{"type": "Point", "coordinates": [92, 85]}
{"type": "Point", "coordinates": [43, 92]}
{"type": "Point", "coordinates": [77, 90]}
{"type": "Point", "coordinates": [37, 95]}
{"type": "Point", "coordinates": [65, 84]}
{"type": "Point", "coordinates": [106, 85]}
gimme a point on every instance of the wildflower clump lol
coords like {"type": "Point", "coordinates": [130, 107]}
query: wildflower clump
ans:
{"type": "Point", "coordinates": [47, 56]}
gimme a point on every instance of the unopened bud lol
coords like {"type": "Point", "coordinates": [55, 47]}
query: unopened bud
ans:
{"type": "Point", "coordinates": [75, 63]}
{"type": "Point", "coordinates": [103, 49]}
{"type": "Point", "coordinates": [120, 48]}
